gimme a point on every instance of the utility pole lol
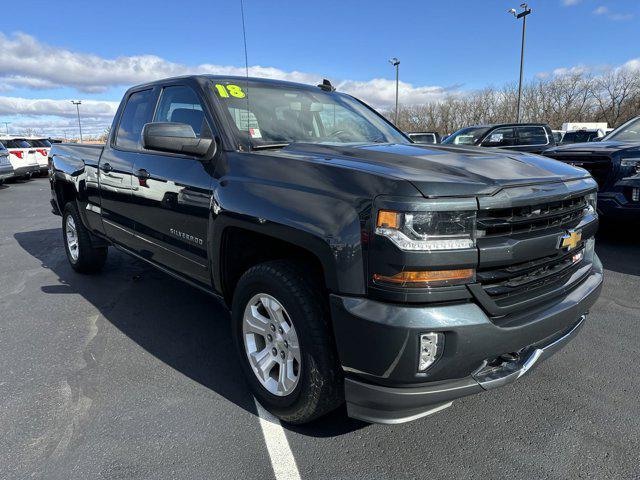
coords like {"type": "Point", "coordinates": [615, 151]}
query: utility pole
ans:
{"type": "Point", "coordinates": [522, 15]}
{"type": "Point", "coordinates": [77, 103]}
{"type": "Point", "coordinates": [396, 63]}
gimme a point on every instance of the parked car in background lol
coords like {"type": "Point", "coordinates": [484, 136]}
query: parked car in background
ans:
{"type": "Point", "coordinates": [42, 146]}
{"type": "Point", "coordinates": [557, 135]}
{"type": "Point", "coordinates": [22, 157]}
{"type": "Point", "coordinates": [581, 136]}
{"type": "Point", "coordinates": [6, 169]}
{"type": "Point", "coordinates": [614, 162]}
{"type": "Point", "coordinates": [424, 137]}
{"type": "Point", "coordinates": [358, 266]}
{"type": "Point", "coordinates": [522, 137]}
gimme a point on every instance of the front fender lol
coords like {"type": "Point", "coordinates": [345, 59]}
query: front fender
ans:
{"type": "Point", "coordinates": [328, 227]}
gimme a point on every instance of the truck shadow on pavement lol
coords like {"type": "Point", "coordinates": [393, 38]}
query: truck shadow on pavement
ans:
{"type": "Point", "coordinates": [618, 247]}
{"type": "Point", "coordinates": [184, 328]}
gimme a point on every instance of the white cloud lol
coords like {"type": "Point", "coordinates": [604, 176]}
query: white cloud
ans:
{"type": "Point", "coordinates": [616, 16]}
{"type": "Point", "coordinates": [27, 63]}
{"type": "Point", "coordinates": [570, 3]}
{"type": "Point", "coordinates": [633, 64]}
{"type": "Point", "coordinates": [574, 70]}
{"type": "Point", "coordinates": [60, 108]}
{"type": "Point", "coordinates": [54, 117]}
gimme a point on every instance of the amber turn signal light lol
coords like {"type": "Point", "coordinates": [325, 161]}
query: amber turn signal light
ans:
{"type": "Point", "coordinates": [432, 278]}
{"type": "Point", "coordinates": [388, 219]}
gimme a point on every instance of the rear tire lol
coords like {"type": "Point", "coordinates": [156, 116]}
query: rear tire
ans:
{"type": "Point", "coordinates": [314, 377]}
{"type": "Point", "coordinates": [82, 255]}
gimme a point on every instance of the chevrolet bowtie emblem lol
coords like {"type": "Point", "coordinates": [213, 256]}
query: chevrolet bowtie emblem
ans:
{"type": "Point", "coordinates": [570, 240]}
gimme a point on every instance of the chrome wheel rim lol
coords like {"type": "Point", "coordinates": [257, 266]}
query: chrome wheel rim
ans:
{"type": "Point", "coordinates": [72, 238]}
{"type": "Point", "coordinates": [271, 344]}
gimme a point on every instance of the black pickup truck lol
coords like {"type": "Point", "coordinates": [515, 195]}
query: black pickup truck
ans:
{"type": "Point", "coordinates": [614, 162]}
{"type": "Point", "coordinates": [358, 266]}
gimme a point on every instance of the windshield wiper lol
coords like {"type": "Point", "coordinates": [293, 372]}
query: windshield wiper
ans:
{"type": "Point", "coordinates": [272, 145]}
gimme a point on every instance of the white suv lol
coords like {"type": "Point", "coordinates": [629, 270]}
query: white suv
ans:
{"type": "Point", "coordinates": [22, 156]}
{"type": "Point", "coordinates": [42, 146]}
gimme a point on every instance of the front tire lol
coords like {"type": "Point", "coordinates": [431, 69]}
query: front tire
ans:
{"type": "Point", "coordinates": [82, 255]}
{"type": "Point", "coordinates": [286, 349]}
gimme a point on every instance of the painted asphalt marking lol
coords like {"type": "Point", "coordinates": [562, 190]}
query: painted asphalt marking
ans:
{"type": "Point", "coordinates": [282, 460]}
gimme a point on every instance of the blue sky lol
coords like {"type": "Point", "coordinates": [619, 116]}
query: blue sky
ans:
{"type": "Point", "coordinates": [459, 45]}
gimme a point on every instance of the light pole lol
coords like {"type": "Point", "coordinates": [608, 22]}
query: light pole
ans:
{"type": "Point", "coordinates": [77, 103]}
{"type": "Point", "coordinates": [523, 15]}
{"type": "Point", "coordinates": [6, 126]}
{"type": "Point", "coordinates": [396, 63]}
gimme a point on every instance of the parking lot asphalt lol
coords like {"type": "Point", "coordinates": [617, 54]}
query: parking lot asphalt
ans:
{"type": "Point", "coordinates": [131, 374]}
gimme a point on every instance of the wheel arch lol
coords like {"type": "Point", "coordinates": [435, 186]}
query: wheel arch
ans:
{"type": "Point", "coordinates": [238, 245]}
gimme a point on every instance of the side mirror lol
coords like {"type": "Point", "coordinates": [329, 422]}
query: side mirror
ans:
{"type": "Point", "coordinates": [174, 138]}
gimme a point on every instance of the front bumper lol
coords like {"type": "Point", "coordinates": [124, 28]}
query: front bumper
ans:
{"type": "Point", "coordinates": [616, 202]}
{"type": "Point", "coordinates": [382, 384]}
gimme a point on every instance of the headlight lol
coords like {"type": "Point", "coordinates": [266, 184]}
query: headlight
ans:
{"type": "Point", "coordinates": [428, 230]}
{"type": "Point", "coordinates": [592, 203]}
{"type": "Point", "coordinates": [631, 162]}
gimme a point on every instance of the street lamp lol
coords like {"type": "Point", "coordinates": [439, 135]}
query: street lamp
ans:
{"type": "Point", "coordinates": [396, 63]}
{"type": "Point", "coordinates": [77, 103]}
{"type": "Point", "coordinates": [523, 15]}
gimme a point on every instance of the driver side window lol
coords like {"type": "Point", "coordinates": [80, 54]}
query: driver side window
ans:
{"type": "Point", "coordinates": [180, 104]}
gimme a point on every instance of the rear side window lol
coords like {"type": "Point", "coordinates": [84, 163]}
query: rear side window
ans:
{"type": "Point", "coordinates": [500, 137]}
{"type": "Point", "coordinates": [181, 105]}
{"type": "Point", "coordinates": [137, 112]}
{"type": "Point", "coordinates": [532, 136]}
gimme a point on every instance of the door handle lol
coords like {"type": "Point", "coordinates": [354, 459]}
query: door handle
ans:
{"type": "Point", "coordinates": [106, 167]}
{"type": "Point", "coordinates": [142, 174]}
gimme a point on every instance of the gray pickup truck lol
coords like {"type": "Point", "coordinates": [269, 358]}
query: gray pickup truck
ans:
{"type": "Point", "coordinates": [359, 267]}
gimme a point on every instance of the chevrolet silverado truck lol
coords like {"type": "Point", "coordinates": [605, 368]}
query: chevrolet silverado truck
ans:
{"type": "Point", "coordinates": [614, 162]}
{"type": "Point", "coordinates": [359, 267]}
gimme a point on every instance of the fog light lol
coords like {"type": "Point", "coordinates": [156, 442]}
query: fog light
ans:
{"type": "Point", "coordinates": [635, 194]}
{"type": "Point", "coordinates": [430, 349]}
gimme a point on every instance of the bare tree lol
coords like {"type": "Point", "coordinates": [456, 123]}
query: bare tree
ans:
{"type": "Point", "coordinates": [613, 97]}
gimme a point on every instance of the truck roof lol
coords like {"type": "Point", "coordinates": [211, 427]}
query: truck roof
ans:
{"type": "Point", "coordinates": [231, 78]}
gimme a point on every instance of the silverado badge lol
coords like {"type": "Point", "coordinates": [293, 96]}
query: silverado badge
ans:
{"type": "Point", "coordinates": [569, 240]}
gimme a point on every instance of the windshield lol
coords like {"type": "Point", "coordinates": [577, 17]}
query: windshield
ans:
{"type": "Point", "coordinates": [423, 137]}
{"type": "Point", "coordinates": [466, 136]}
{"type": "Point", "coordinates": [273, 115]}
{"type": "Point", "coordinates": [629, 132]}
{"type": "Point", "coordinates": [579, 136]}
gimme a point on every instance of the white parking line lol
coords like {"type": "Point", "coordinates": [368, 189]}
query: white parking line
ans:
{"type": "Point", "coordinates": [282, 461]}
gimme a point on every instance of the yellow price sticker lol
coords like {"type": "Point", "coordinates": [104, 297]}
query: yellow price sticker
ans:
{"type": "Point", "coordinates": [226, 91]}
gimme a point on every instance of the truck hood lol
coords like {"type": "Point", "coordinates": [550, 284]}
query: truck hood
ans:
{"type": "Point", "coordinates": [442, 170]}
{"type": "Point", "coordinates": [604, 148]}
